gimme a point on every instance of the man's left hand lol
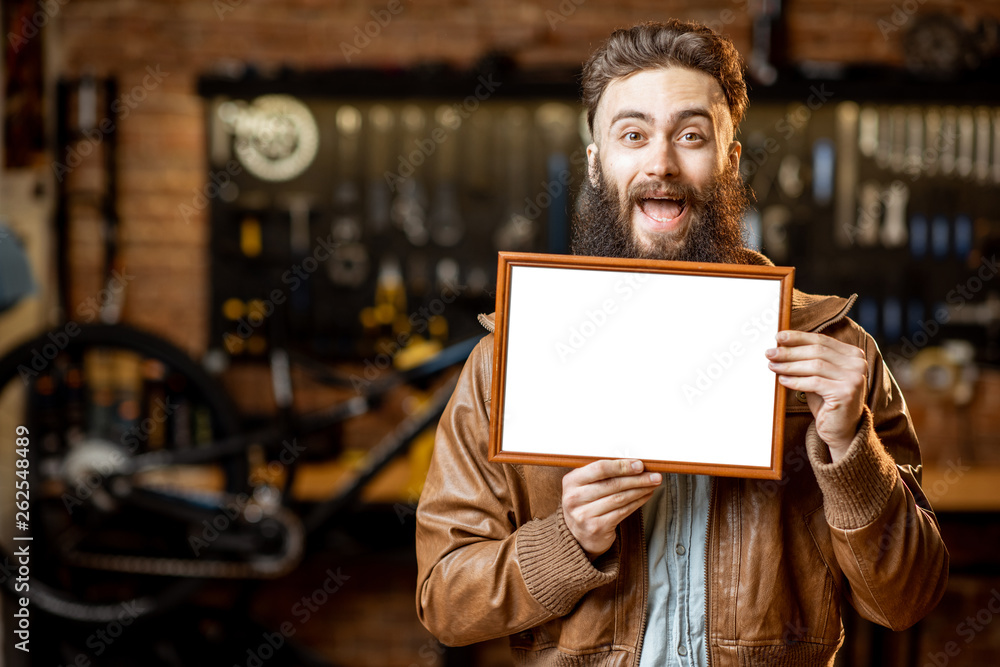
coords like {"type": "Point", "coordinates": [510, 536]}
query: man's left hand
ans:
{"type": "Point", "coordinates": [833, 376]}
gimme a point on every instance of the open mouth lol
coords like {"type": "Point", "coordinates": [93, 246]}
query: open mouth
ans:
{"type": "Point", "coordinates": [662, 210]}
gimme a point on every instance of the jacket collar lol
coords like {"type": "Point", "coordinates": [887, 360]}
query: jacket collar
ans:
{"type": "Point", "coordinates": [810, 312]}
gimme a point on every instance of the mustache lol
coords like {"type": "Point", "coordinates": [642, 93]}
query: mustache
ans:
{"type": "Point", "coordinates": [652, 189]}
{"type": "Point", "coordinates": [658, 189]}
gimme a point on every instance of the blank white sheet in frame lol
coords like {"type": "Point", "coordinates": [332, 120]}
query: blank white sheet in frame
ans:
{"type": "Point", "coordinates": [665, 367]}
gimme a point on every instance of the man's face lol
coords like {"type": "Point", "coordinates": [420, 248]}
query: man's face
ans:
{"type": "Point", "coordinates": [664, 168]}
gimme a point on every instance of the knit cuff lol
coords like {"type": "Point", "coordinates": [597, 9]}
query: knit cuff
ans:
{"type": "Point", "coordinates": [857, 487]}
{"type": "Point", "coordinates": [555, 567]}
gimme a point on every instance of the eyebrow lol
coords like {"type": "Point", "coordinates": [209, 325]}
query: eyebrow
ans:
{"type": "Point", "coordinates": [685, 114]}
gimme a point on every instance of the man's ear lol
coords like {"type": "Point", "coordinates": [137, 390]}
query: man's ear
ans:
{"type": "Point", "coordinates": [592, 164]}
{"type": "Point", "coordinates": [735, 150]}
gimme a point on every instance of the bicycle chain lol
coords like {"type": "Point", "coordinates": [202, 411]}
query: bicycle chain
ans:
{"type": "Point", "coordinates": [260, 568]}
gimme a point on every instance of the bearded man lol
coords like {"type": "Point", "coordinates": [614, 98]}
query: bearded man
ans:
{"type": "Point", "coordinates": [711, 571]}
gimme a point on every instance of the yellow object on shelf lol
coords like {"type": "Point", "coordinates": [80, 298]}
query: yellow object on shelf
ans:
{"type": "Point", "coordinates": [233, 308]}
{"type": "Point", "coordinates": [417, 351]}
{"type": "Point", "coordinates": [251, 241]}
{"type": "Point", "coordinates": [420, 461]}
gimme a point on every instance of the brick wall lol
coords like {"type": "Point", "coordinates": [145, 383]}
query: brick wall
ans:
{"type": "Point", "coordinates": [162, 145]}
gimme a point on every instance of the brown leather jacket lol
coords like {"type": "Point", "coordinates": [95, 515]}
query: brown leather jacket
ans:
{"type": "Point", "coordinates": [496, 559]}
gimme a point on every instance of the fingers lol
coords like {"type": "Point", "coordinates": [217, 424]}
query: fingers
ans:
{"type": "Point", "coordinates": [833, 376]}
{"type": "Point", "coordinates": [604, 469]}
{"type": "Point", "coordinates": [606, 478]}
{"type": "Point", "coordinates": [790, 339]}
{"type": "Point", "coordinates": [596, 531]}
{"type": "Point", "coordinates": [815, 351]}
{"type": "Point", "coordinates": [617, 506]}
{"type": "Point", "coordinates": [622, 512]}
{"type": "Point", "coordinates": [829, 370]}
{"type": "Point", "coordinates": [833, 392]}
{"type": "Point", "coordinates": [804, 354]}
{"type": "Point", "coordinates": [821, 377]}
{"type": "Point", "coordinates": [794, 345]}
{"type": "Point", "coordinates": [599, 495]}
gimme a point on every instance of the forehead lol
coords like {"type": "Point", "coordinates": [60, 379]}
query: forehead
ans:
{"type": "Point", "coordinates": [660, 93]}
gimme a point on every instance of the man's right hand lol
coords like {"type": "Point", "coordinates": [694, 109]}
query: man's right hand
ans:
{"type": "Point", "coordinates": [598, 496]}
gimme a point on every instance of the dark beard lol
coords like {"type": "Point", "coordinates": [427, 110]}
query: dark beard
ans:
{"type": "Point", "coordinates": [602, 222]}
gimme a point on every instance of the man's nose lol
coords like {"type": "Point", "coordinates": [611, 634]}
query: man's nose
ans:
{"type": "Point", "coordinates": [662, 160]}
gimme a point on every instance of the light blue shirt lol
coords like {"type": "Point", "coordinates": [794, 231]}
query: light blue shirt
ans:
{"type": "Point", "coordinates": [676, 526]}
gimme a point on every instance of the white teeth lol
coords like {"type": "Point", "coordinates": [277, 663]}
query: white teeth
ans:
{"type": "Point", "coordinates": [653, 217]}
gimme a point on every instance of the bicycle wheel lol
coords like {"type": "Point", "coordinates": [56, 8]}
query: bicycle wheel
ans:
{"type": "Point", "coordinates": [91, 398]}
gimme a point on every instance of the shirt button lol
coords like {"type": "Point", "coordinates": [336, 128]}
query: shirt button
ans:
{"type": "Point", "coordinates": [680, 549]}
{"type": "Point", "coordinates": [682, 650]}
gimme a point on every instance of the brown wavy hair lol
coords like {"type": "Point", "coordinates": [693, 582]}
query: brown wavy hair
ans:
{"type": "Point", "coordinates": [663, 44]}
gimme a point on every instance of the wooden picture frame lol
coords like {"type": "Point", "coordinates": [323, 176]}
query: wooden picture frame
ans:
{"type": "Point", "coordinates": [657, 360]}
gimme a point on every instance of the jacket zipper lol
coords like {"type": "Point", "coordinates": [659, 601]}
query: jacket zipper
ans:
{"type": "Point", "coordinates": [645, 586]}
{"type": "Point", "coordinates": [839, 316]}
{"type": "Point", "coordinates": [708, 580]}
{"type": "Point", "coordinates": [711, 505]}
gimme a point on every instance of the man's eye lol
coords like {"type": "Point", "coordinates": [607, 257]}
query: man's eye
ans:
{"type": "Point", "coordinates": [691, 136]}
{"type": "Point", "coordinates": [633, 136]}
